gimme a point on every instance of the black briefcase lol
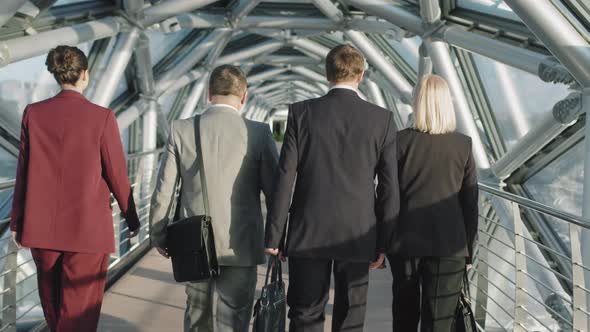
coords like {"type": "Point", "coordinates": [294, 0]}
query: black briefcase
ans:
{"type": "Point", "coordinates": [464, 318]}
{"type": "Point", "coordinates": [271, 308]}
{"type": "Point", "coordinates": [191, 244]}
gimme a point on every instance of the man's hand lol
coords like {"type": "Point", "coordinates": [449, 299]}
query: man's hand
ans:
{"type": "Point", "coordinates": [272, 251]}
{"type": "Point", "coordinates": [378, 264]}
{"type": "Point", "coordinates": [275, 252]}
{"type": "Point", "coordinates": [163, 252]}
{"type": "Point", "coordinates": [468, 267]}
{"type": "Point", "coordinates": [15, 237]}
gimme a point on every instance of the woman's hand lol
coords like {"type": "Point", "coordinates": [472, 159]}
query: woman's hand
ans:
{"type": "Point", "coordinates": [275, 252]}
{"type": "Point", "coordinates": [15, 237]}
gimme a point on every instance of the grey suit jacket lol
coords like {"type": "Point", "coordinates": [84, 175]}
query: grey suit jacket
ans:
{"type": "Point", "coordinates": [240, 158]}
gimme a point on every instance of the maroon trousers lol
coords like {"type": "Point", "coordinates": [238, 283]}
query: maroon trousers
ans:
{"type": "Point", "coordinates": [71, 288]}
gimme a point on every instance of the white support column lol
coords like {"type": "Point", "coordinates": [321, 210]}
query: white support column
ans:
{"type": "Point", "coordinates": [424, 62]}
{"type": "Point", "coordinates": [250, 52]}
{"type": "Point", "coordinates": [443, 65]}
{"type": "Point", "coordinates": [104, 90]}
{"type": "Point", "coordinates": [581, 320]}
{"type": "Point", "coordinates": [310, 46]}
{"type": "Point", "coordinates": [262, 76]}
{"type": "Point", "coordinates": [312, 75]}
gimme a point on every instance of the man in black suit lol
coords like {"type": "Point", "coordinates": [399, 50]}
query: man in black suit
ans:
{"type": "Point", "coordinates": [339, 221]}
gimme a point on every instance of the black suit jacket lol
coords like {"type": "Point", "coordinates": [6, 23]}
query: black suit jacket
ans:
{"type": "Point", "coordinates": [438, 188]}
{"type": "Point", "coordinates": [335, 145]}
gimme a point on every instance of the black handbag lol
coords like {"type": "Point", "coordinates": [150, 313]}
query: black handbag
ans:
{"type": "Point", "coordinates": [464, 318]}
{"type": "Point", "coordinates": [191, 243]}
{"type": "Point", "coordinates": [271, 308]}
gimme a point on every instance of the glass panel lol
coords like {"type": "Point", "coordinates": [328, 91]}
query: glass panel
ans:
{"type": "Point", "coordinates": [161, 43]}
{"type": "Point", "coordinates": [102, 67]}
{"type": "Point", "coordinates": [26, 82]}
{"type": "Point", "coordinates": [517, 98]}
{"type": "Point", "coordinates": [560, 185]}
{"type": "Point", "coordinates": [492, 7]}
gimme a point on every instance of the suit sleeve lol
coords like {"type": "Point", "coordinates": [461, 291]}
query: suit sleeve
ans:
{"type": "Point", "coordinates": [283, 186]}
{"type": "Point", "coordinates": [114, 166]}
{"type": "Point", "coordinates": [164, 192]}
{"type": "Point", "coordinates": [387, 203]}
{"type": "Point", "coordinates": [20, 187]}
{"type": "Point", "coordinates": [268, 166]}
{"type": "Point", "coordinates": [469, 202]}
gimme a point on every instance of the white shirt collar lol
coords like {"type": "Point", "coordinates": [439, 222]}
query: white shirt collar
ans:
{"type": "Point", "coordinates": [225, 105]}
{"type": "Point", "coordinates": [342, 86]}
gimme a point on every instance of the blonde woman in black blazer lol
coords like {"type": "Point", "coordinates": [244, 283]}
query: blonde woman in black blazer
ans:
{"type": "Point", "coordinates": [433, 239]}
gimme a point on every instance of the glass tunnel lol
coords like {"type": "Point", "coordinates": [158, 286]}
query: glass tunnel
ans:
{"type": "Point", "coordinates": [519, 72]}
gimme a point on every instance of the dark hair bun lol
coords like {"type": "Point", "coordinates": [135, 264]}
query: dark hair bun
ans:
{"type": "Point", "coordinates": [66, 63]}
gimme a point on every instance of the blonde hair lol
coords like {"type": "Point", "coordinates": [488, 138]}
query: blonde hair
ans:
{"type": "Point", "coordinates": [433, 106]}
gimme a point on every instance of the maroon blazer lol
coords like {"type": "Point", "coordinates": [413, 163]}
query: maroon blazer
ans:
{"type": "Point", "coordinates": [71, 159]}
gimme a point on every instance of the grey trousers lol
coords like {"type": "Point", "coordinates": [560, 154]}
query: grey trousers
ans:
{"type": "Point", "coordinates": [235, 288]}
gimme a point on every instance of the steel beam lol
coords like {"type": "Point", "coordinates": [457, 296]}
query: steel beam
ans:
{"type": "Point", "coordinates": [443, 64]}
{"type": "Point", "coordinates": [560, 37]}
{"type": "Point", "coordinates": [377, 60]}
{"type": "Point", "coordinates": [375, 93]}
{"type": "Point", "coordinates": [310, 46]}
{"type": "Point", "coordinates": [193, 98]}
{"type": "Point", "coordinates": [424, 62]}
{"type": "Point", "coordinates": [312, 75]}
{"type": "Point", "coordinates": [250, 52]}
{"type": "Point", "coordinates": [265, 75]}
{"type": "Point", "coordinates": [580, 318]}
{"type": "Point", "coordinates": [391, 12]}
{"type": "Point", "coordinates": [265, 88]}
{"type": "Point", "coordinates": [13, 50]}
{"type": "Point", "coordinates": [8, 8]}
{"type": "Point", "coordinates": [120, 56]}
{"type": "Point", "coordinates": [170, 8]}
{"type": "Point", "coordinates": [242, 8]}
{"type": "Point", "coordinates": [208, 21]}
{"type": "Point", "coordinates": [191, 59]}
{"type": "Point", "coordinates": [286, 60]}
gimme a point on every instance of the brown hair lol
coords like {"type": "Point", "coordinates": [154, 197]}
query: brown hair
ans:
{"type": "Point", "coordinates": [227, 80]}
{"type": "Point", "coordinates": [66, 63]}
{"type": "Point", "coordinates": [344, 63]}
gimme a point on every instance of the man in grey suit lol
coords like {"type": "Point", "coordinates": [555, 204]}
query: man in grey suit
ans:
{"type": "Point", "coordinates": [239, 158]}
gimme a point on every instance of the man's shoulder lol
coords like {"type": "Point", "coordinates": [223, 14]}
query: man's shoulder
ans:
{"type": "Point", "coordinates": [183, 124]}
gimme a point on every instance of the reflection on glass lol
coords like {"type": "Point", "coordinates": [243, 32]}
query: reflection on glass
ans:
{"type": "Point", "coordinates": [517, 98]}
{"type": "Point", "coordinates": [492, 7]}
{"type": "Point", "coordinates": [68, 2]}
{"type": "Point", "coordinates": [560, 185]}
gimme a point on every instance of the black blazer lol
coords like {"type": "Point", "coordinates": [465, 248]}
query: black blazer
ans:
{"type": "Point", "coordinates": [438, 188]}
{"type": "Point", "coordinates": [335, 145]}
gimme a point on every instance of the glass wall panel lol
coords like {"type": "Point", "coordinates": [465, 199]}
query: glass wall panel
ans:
{"type": "Point", "coordinates": [407, 48]}
{"type": "Point", "coordinates": [517, 98]}
{"type": "Point", "coordinates": [491, 7]}
{"type": "Point", "coordinates": [68, 2]}
{"type": "Point", "coordinates": [560, 185]}
{"type": "Point", "coordinates": [161, 43]}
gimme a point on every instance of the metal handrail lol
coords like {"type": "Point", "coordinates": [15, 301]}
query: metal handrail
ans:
{"type": "Point", "coordinates": [536, 206]}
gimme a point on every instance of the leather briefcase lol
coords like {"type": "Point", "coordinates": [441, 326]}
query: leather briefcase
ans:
{"type": "Point", "coordinates": [270, 310]}
{"type": "Point", "coordinates": [191, 243]}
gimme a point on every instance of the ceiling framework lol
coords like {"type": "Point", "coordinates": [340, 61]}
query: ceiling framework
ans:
{"type": "Point", "coordinates": [281, 45]}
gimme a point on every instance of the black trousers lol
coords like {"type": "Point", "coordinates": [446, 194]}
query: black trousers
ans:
{"type": "Point", "coordinates": [308, 294]}
{"type": "Point", "coordinates": [440, 278]}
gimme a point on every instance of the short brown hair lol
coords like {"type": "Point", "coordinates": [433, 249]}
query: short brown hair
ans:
{"type": "Point", "coordinates": [227, 80]}
{"type": "Point", "coordinates": [66, 63]}
{"type": "Point", "coordinates": [344, 63]}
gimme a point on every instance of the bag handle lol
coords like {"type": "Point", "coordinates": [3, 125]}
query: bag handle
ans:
{"type": "Point", "coordinates": [201, 164]}
{"type": "Point", "coordinates": [274, 264]}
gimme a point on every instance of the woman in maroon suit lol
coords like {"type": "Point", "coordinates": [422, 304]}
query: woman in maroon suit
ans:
{"type": "Point", "coordinates": [71, 159]}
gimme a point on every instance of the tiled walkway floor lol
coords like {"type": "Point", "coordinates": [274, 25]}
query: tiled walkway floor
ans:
{"type": "Point", "coordinates": [147, 299]}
